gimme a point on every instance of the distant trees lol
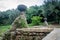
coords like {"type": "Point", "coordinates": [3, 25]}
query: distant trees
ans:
{"type": "Point", "coordinates": [7, 17]}
{"type": "Point", "coordinates": [52, 10]}
{"type": "Point", "coordinates": [33, 11]}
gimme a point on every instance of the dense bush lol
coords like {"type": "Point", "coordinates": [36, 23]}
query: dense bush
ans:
{"type": "Point", "coordinates": [36, 20]}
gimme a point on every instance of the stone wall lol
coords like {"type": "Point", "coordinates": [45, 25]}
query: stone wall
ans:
{"type": "Point", "coordinates": [27, 34]}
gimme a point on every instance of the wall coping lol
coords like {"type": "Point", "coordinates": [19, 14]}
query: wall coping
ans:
{"type": "Point", "coordinates": [35, 29]}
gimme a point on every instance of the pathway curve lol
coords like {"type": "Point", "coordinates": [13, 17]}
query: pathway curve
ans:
{"type": "Point", "coordinates": [54, 35]}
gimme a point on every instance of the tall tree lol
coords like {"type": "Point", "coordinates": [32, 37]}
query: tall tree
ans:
{"type": "Point", "coordinates": [52, 9]}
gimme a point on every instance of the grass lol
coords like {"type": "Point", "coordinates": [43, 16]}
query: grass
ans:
{"type": "Point", "coordinates": [4, 28]}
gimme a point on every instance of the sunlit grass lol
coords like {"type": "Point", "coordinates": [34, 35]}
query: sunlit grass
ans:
{"type": "Point", "coordinates": [4, 28]}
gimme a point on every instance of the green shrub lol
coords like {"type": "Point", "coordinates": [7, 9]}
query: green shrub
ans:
{"type": "Point", "coordinates": [36, 20]}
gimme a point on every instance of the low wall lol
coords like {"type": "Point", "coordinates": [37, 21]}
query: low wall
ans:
{"type": "Point", "coordinates": [28, 34]}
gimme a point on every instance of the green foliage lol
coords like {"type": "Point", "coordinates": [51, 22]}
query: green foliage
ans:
{"type": "Point", "coordinates": [52, 10]}
{"type": "Point", "coordinates": [33, 11]}
{"type": "Point", "coordinates": [7, 17]}
{"type": "Point", "coordinates": [10, 15]}
{"type": "Point", "coordinates": [4, 28]}
{"type": "Point", "coordinates": [21, 23]}
{"type": "Point", "coordinates": [36, 20]}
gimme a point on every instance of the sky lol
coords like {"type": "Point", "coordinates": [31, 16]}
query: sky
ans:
{"type": "Point", "coordinates": [12, 4]}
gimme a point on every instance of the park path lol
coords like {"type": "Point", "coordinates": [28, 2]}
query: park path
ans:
{"type": "Point", "coordinates": [54, 35]}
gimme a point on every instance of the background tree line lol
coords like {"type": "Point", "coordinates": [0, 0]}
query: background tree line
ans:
{"type": "Point", "coordinates": [34, 14]}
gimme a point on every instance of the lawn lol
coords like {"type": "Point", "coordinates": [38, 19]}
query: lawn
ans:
{"type": "Point", "coordinates": [4, 29]}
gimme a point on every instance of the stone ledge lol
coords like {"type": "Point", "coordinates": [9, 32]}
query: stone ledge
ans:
{"type": "Point", "coordinates": [35, 29]}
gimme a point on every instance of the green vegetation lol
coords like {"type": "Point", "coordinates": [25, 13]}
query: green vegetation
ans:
{"type": "Point", "coordinates": [4, 28]}
{"type": "Point", "coordinates": [34, 14]}
{"type": "Point", "coordinates": [9, 15]}
{"type": "Point", "coordinates": [52, 10]}
{"type": "Point", "coordinates": [36, 20]}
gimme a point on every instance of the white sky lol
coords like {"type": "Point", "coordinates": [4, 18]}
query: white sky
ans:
{"type": "Point", "coordinates": [10, 4]}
